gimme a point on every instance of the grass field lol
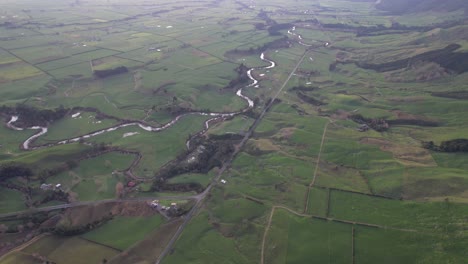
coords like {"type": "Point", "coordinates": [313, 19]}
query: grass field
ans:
{"type": "Point", "coordinates": [318, 201]}
{"type": "Point", "coordinates": [436, 216]}
{"type": "Point", "coordinates": [94, 179]}
{"type": "Point", "coordinates": [294, 239]}
{"type": "Point", "coordinates": [122, 232]}
{"type": "Point", "coordinates": [201, 243]}
{"type": "Point", "coordinates": [183, 57]}
{"type": "Point", "coordinates": [390, 246]}
{"type": "Point", "coordinates": [203, 179]}
{"type": "Point", "coordinates": [11, 201]}
{"type": "Point", "coordinates": [70, 127]}
{"type": "Point", "coordinates": [70, 250]}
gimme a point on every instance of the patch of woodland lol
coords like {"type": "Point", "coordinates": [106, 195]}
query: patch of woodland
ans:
{"type": "Point", "coordinates": [206, 154]}
{"type": "Point", "coordinates": [309, 99]}
{"type": "Point", "coordinates": [454, 145]}
{"type": "Point", "coordinates": [275, 44]}
{"type": "Point", "coordinates": [377, 124]}
{"type": "Point", "coordinates": [63, 228]}
{"type": "Point", "coordinates": [270, 102]}
{"type": "Point", "coordinates": [241, 79]}
{"type": "Point", "coordinates": [303, 88]}
{"type": "Point", "coordinates": [461, 95]}
{"type": "Point", "coordinates": [110, 72]}
{"type": "Point", "coordinates": [29, 116]}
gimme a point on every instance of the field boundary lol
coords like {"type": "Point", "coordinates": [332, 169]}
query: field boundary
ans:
{"type": "Point", "coordinates": [353, 249]}
{"type": "Point", "coordinates": [328, 219]}
{"type": "Point", "coordinates": [24, 245]}
{"type": "Point", "coordinates": [101, 244]}
{"type": "Point", "coordinates": [306, 205]}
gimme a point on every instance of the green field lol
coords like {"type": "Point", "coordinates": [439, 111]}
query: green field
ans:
{"type": "Point", "coordinates": [298, 240]}
{"type": "Point", "coordinates": [95, 179]}
{"type": "Point", "coordinates": [343, 157]}
{"type": "Point", "coordinates": [70, 250]}
{"type": "Point", "coordinates": [390, 246]}
{"type": "Point", "coordinates": [201, 244]}
{"type": "Point", "coordinates": [123, 232]}
{"type": "Point", "coordinates": [436, 216]}
{"type": "Point", "coordinates": [11, 201]}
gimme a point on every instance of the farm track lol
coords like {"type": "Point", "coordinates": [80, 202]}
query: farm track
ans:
{"type": "Point", "coordinates": [24, 245]}
{"type": "Point", "coordinates": [312, 183]}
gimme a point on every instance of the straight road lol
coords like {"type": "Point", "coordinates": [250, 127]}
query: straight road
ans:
{"type": "Point", "coordinates": [226, 165]}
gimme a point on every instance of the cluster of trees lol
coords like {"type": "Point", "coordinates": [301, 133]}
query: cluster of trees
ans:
{"type": "Point", "coordinates": [66, 166]}
{"type": "Point", "coordinates": [242, 77]}
{"type": "Point", "coordinates": [176, 110]}
{"type": "Point", "coordinates": [210, 153]}
{"type": "Point", "coordinates": [273, 27]}
{"type": "Point", "coordinates": [275, 44]}
{"type": "Point", "coordinates": [181, 210]}
{"type": "Point", "coordinates": [264, 16]}
{"type": "Point", "coordinates": [378, 124]}
{"type": "Point", "coordinates": [160, 186]}
{"type": "Point", "coordinates": [455, 145]}
{"type": "Point", "coordinates": [413, 122]}
{"type": "Point", "coordinates": [274, 30]}
{"type": "Point", "coordinates": [65, 229]}
{"type": "Point", "coordinates": [30, 116]}
{"type": "Point", "coordinates": [52, 196]}
{"type": "Point", "coordinates": [303, 88]}
{"type": "Point", "coordinates": [463, 95]}
{"type": "Point", "coordinates": [110, 72]}
{"type": "Point", "coordinates": [12, 170]}
{"type": "Point", "coordinates": [309, 99]}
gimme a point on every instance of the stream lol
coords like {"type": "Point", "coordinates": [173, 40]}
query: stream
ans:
{"type": "Point", "coordinates": [216, 115]}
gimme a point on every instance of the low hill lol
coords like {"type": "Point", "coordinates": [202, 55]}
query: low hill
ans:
{"type": "Point", "coordinates": [414, 6]}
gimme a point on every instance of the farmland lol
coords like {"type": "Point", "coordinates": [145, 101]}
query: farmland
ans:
{"type": "Point", "coordinates": [233, 131]}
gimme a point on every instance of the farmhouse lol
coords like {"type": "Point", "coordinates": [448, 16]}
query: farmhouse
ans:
{"type": "Point", "coordinates": [154, 204]}
{"type": "Point", "coordinates": [46, 186]}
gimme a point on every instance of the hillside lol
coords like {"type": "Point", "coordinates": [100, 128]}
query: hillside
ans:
{"type": "Point", "coordinates": [414, 6]}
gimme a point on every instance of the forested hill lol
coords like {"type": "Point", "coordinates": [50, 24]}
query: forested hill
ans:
{"type": "Point", "coordinates": [413, 6]}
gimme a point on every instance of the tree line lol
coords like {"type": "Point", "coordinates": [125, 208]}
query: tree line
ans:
{"type": "Point", "coordinates": [30, 116]}
{"type": "Point", "coordinates": [454, 145]}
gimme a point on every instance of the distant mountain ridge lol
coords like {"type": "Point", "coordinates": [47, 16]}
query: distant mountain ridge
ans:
{"type": "Point", "coordinates": [414, 6]}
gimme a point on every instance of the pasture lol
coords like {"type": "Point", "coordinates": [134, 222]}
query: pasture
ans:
{"type": "Point", "coordinates": [122, 232]}
{"type": "Point", "coordinates": [70, 250]}
{"type": "Point", "coordinates": [373, 193]}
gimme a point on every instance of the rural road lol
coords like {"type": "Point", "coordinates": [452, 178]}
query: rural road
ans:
{"type": "Point", "coordinates": [226, 165]}
{"type": "Point", "coordinates": [77, 204]}
{"type": "Point", "coordinates": [198, 198]}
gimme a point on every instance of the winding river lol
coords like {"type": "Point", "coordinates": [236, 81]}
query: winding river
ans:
{"type": "Point", "coordinates": [299, 36]}
{"type": "Point", "coordinates": [215, 116]}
